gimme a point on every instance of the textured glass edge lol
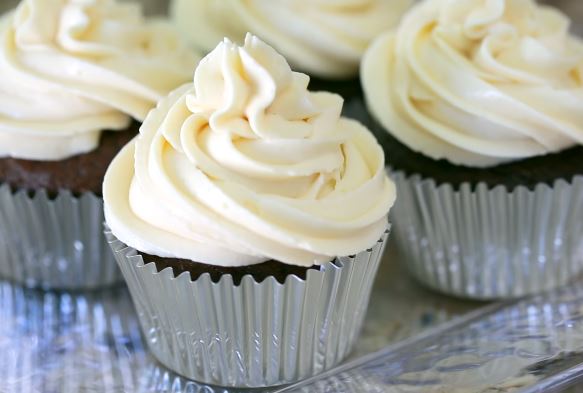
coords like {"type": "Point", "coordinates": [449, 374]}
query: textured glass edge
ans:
{"type": "Point", "coordinates": [558, 383]}
{"type": "Point", "coordinates": [457, 322]}
{"type": "Point", "coordinates": [542, 332]}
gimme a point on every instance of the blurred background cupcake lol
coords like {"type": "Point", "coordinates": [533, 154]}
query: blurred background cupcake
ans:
{"type": "Point", "coordinates": [73, 75]}
{"type": "Point", "coordinates": [323, 38]}
{"type": "Point", "coordinates": [478, 107]}
{"type": "Point", "coordinates": [249, 200]}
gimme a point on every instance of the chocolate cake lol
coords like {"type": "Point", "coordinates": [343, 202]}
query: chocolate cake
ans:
{"type": "Point", "coordinates": [280, 271]}
{"type": "Point", "coordinates": [79, 174]}
{"type": "Point", "coordinates": [528, 172]}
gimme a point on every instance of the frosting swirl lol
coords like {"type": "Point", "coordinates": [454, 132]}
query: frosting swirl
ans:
{"type": "Point", "coordinates": [71, 68]}
{"type": "Point", "coordinates": [326, 38]}
{"type": "Point", "coordinates": [477, 82]}
{"type": "Point", "coordinates": [246, 165]}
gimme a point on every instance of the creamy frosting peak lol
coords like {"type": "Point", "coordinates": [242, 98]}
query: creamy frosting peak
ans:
{"type": "Point", "coordinates": [71, 68]}
{"type": "Point", "coordinates": [246, 165]}
{"type": "Point", "coordinates": [478, 82]}
{"type": "Point", "coordinates": [326, 38]}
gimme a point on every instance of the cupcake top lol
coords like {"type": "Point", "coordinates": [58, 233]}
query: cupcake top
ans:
{"type": "Point", "coordinates": [325, 38]}
{"type": "Point", "coordinates": [246, 165]}
{"type": "Point", "coordinates": [478, 83]}
{"type": "Point", "coordinates": [71, 68]}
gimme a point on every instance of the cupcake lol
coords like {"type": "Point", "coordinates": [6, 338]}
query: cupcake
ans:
{"type": "Point", "coordinates": [325, 39]}
{"type": "Point", "coordinates": [249, 200]}
{"type": "Point", "coordinates": [73, 75]}
{"type": "Point", "coordinates": [478, 107]}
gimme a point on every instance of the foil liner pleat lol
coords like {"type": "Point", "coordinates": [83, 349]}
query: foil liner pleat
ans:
{"type": "Point", "coordinates": [54, 243]}
{"type": "Point", "coordinates": [486, 243]}
{"type": "Point", "coordinates": [253, 334]}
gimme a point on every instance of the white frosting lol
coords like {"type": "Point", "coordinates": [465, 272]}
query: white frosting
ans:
{"type": "Point", "coordinates": [477, 82]}
{"type": "Point", "coordinates": [71, 68]}
{"type": "Point", "coordinates": [246, 165]}
{"type": "Point", "coordinates": [326, 38]}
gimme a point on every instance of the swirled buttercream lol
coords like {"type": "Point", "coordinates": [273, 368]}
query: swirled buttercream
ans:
{"type": "Point", "coordinates": [246, 165]}
{"type": "Point", "coordinates": [72, 68]}
{"type": "Point", "coordinates": [326, 38]}
{"type": "Point", "coordinates": [478, 82]}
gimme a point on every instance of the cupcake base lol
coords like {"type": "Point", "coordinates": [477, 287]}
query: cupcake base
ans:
{"type": "Point", "coordinates": [252, 334]}
{"type": "Point", "coordinates": [488, 233]}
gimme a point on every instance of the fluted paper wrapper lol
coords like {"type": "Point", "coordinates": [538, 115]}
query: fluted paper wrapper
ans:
{"type": "Point", "coordinates": [486, 243]}
{"type": "Point", "coordinates": [54, 243]}
{"type": "Point", "coordinates": [253, 334]}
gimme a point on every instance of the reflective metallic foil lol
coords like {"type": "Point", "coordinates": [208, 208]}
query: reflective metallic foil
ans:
{"type": "Point", "coordinates": [490, 243]}
{"type": "Point", "coordinates": [254, 334]}
{"type": "Point", "coordinates": [54, 243]}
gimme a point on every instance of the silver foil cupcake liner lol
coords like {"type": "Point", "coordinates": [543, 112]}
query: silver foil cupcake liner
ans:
{"type": "Point", "coordinates": [487, 243]}
{"type": "Point", "coordinates": [54, 243]}
{"type": "Point", "coordinates": [253, 334]}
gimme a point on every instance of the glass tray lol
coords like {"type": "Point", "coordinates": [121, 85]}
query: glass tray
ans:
{"type": "Point", "coordinates": [90, 342]}
{"type": "Point", "coordinates": [531, 345]}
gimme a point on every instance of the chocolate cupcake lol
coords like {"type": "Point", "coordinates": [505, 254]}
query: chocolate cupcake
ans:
{"type": "Point", "coordinates": [248, 199]}
{"type": "Point", "coordinates": [72, 76]}
{"type": "Point", "coordinates": [324, 39]}
{"type": "Point", "coordinates": [479, 112]}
